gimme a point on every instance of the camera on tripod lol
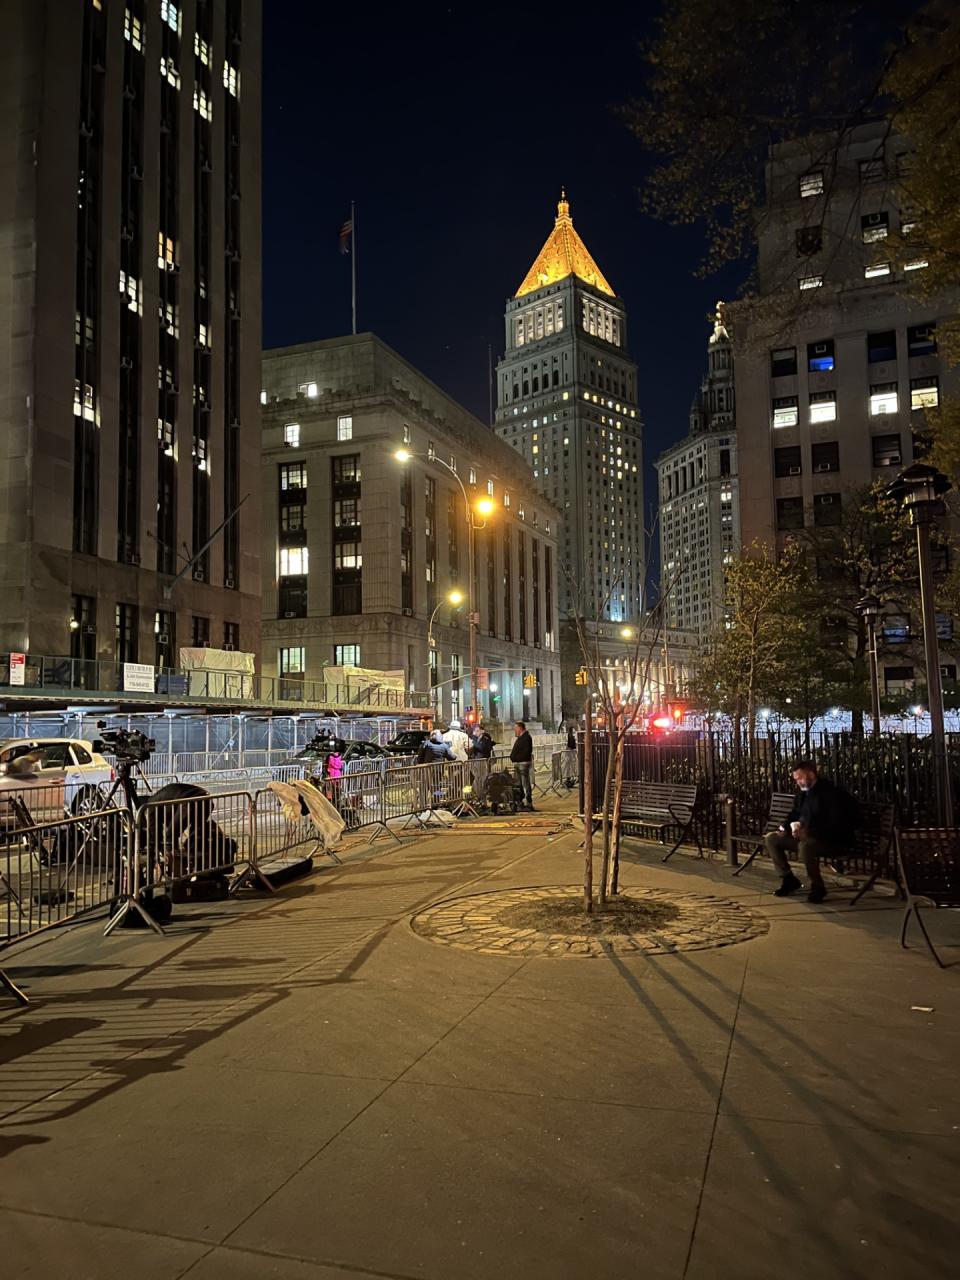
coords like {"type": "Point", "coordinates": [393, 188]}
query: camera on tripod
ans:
{"type": "Point", "coordinates": [128, 746]}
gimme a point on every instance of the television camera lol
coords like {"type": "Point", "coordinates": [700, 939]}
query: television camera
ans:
{"type": "Point", "coordinates": [128, 746]}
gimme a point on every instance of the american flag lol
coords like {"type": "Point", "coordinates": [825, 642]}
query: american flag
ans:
{"type": "Point", "coordinates": [346, 233]}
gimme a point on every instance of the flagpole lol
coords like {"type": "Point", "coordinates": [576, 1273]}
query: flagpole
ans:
{"type": "Point", "coordinates": [353, 263]}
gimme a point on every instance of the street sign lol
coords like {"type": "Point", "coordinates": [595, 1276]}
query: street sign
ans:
{"type": "Point", "coordinates": [18, 668]}
{"type": "Point", "coordinates": [483, 677]}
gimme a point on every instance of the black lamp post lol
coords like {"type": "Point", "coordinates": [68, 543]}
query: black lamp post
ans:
{"type": "Point", "coordinates": [920, 489]}
{"type": "Point", "coordinates": [869, 609]}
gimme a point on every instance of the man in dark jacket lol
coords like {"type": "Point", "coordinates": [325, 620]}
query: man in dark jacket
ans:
{"type": "Point", "coordinates": [521, 756]}
{"type": "Point", "coordinates": [821, 821]}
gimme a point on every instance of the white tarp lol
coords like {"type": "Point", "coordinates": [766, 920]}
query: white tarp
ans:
{"type": "Point", "coordinates": [363, 677]}
{"type": "Point", "coordinates": [218, 673]}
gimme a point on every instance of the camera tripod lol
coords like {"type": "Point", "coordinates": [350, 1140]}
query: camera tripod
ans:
{"type": "Point", "coordinates": [126, 868]}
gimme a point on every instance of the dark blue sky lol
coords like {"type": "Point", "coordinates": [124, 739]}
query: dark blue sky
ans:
{"type": "Point", "coordinates": [453, 128]}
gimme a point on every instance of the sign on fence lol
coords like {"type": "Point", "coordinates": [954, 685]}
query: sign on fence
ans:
{"type": "Point", "coordinates": [137, 677]}
{"type": "Point", "coordinates": [18, 667]}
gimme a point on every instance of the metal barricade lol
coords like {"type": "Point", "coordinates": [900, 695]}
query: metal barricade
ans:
{"type": "Point", "coordinates": [281, 838]}
{"type": "Point", "coordinates": [53, 872]}
{"type": "Point", "coordinates": [359, 799]}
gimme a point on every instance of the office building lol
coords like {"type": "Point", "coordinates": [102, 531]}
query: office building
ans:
{"type": "Point", "coordinates": [567, 403]}
{"type": "Point", "coordinates": [699, 520]}
{"type": "Point", "coordinates": [129, 360]}
{"type": "Point", "coordinates": [835, 396]}
{"type": "Point", "coordinates": [367, 549]}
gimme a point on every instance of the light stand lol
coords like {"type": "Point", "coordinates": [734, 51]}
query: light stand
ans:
{"type": "Point", "coordinates": [869, 609]}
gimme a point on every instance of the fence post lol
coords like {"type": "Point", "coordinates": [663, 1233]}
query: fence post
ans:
{"type": "Point", "coordinates": [730, 817]}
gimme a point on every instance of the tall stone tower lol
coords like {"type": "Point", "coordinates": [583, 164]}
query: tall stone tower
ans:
{"type": "Point", "coordinates": [567, 401]}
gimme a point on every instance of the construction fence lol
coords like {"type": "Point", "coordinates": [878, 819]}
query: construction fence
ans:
{"type": "Point", "coordinates": [199, 845]}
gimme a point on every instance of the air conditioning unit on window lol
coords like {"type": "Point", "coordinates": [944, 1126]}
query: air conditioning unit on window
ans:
{"type": "Point", "coordinates": [89, 630]}
{"type": "Point", "coordinates": [824, 466]}
{"type": "Point", "coordinates": [408, 613]}
{"type": "Point", "coordinates": [163, 637]}
{"type": "Point", "coordinates": [228, 647]}
{"type": "Point", "coordinates": [826, 499]}
{"type": "Point", "coordinates": [289, 615]}
{"type": "Point", "coordinates": [795, 471]}
{"type": "Point", "coordinates": [229, 582]}
{"type": "Point", "coordinates": [199, 575]}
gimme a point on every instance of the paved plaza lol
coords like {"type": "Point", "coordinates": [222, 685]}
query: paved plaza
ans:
{"type": "Point", "coordinates": [320, 1086]}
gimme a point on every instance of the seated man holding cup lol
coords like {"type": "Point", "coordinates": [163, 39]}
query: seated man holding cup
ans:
{"type": "Point", "coordinates": [821, 823]}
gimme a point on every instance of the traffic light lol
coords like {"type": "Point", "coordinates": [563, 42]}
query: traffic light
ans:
{"type": "Point", "coordinates": [530, 681]}
{"type": "Point", "coordinates": [471, 717]}
{"type": "Point", "coordinates": [581, 676]}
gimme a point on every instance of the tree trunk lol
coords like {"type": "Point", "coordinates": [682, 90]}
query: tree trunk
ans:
{"type": "Point", "coordinates": [617, 803]}
{"type": "Point", "coordinates": [588, 807]}
{"type": "Point", "coordinates": [613, 741]}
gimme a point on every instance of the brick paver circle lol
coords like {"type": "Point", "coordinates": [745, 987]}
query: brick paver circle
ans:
{"type": "Point", "coordinates": [475, 923]}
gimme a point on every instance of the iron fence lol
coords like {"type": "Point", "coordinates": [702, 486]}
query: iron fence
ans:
{"type": "Point", "coordinates": [895, 769]}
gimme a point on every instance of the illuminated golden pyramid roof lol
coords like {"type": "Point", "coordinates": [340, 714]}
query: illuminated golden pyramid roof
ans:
{"type": "Point", "coordinates": [564, 254]}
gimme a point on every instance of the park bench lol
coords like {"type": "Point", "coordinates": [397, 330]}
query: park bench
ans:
{"type": "Point", "coordinates": [929, 863]}
{"type": "Point", "coordinates": [661, 806]}
{"type": "Point", "coordinates": [869, 852]}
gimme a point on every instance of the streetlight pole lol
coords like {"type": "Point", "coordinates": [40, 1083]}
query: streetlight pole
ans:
{"type": "Point", "coordinates": [921, 488]}
{"type": "Point", "coordinates": [484, 508]}
{"type": "Point", "coordinates": [869, 609]}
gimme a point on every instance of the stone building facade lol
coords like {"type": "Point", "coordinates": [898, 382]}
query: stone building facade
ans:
{"type": "Point", "coordinates": [567, 403]}
{"type": "Point", "coordinates": [365, 548]}
{"type": "Point", "coordinates": [129, 359]}
{"type": "Point", "coordinates": [835, 397]}
{"type": "Point", "coordinates": [699, 515]}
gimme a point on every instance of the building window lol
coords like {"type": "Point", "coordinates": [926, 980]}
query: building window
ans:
{"type": "Point", "coordinates": [922, 340]}
{"type": "Point", "coordinates": [809, 241]}
{"type": "Point", "coordinates": [874, 226]}
{"type": "Point", "coordinates": [924, 393]}
{"type": "Point", "coordinates": [916, 264]}
{"type": "Point", "coordinates": [345, 427]}
{"type": "Point", "coordinates": [169, 72]}
{"type": "Point", "coordinates": [896, 628]}
{"type": "Point", "coordinates": [789, 513]}
{"type": "Point", "coordinates": [346, 468]}
{"type": "Point", "coordinates": [347, 555]}
{"type": "Point", "coordinates": [897, 679]}
{"type": "Point", "coordinates": [826, 509]}
{"type": "Point", "coordinates": [886, 451]}
{"type": "Point", "coordinates": [201, 103]}
{"type": "Point", "coordinates": [291, 435]}
{"type": "Point", "coordinates": [293, 475]}
{"type": "Point", "coordinates": [171, 14]}
{"type": "Point", "coordinates": [811, 184]}
{"type": "Point", "coordinates": [823, 406]}
{"type": "Point", "coordinates": [883, 398]}
{"type": "Point", "coordinates": [346, 512]}
{"type": "Point", "coordinates": [810, 282]}
{"type": "Point", "coordinates": [125, 646]}
{"type": "Point", "coordinates": [783, 362]}
{"type": "Point", "coordinates": [231, 635]}
{"type": "Point", "coordinates": [308, 389]}
{"type": "Point", "coordinates": [133, 30]}
{"type": "Point", "coordinates": [346, 655]}
{"type": "Point", "coordinates": [876, 270]}
{"type": "Point", "coordinates": [294, 561]}
{"type": "Point", "coordinates": [872, 170]}
{"type": "Point", "coordinates": [293, 518]}
{"type": "Point", "coordinates": [785, 412]}
{"type": "Point", "coordinates": [490, 488]}
{"type": "Point", "coordinates": [292, 662]}
{"type": "Point", "coordinates": [820, 356]}
{"type": "Point", "coordinates": [292, 597]}
{"type": "Point", "coordinates": [786, 462]}
{"type": "Point", "coordinates": [201, 49]}
{"type": "Point", "coordinates": [825, 456]}
{"type": "Point", "coordinates": [881, 347]}
{"type": "Point", "coordinates": [231, 79]}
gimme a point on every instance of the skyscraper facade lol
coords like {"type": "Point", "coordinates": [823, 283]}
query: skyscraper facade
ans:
{"type": "Point", "coordinates": [699, 512]}
{"type": "Point", "coordinates": [567, 402]}
{"type": "Point", "coordinates": [129, 418]}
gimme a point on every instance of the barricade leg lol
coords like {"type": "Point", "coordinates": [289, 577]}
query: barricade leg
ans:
{"type": "Point", "coordinates": [8, 984]}
{"type": "Point", "coordinates": [131, 900]}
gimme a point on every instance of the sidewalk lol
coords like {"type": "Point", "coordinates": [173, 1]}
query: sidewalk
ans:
{"type": "Point", "coordinates": [302, 1088]}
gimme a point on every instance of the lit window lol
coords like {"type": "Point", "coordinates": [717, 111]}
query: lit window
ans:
{"type": "Point", "coordinates": [346, 655]}
{"type": "Point", "coordinates": [169, 72]}
{"type": "Point", "coordinates": [166, 252]}
{"type": "Point", "coordinates": [811, 184]}
{"type": "Point", "coordinates": [916, 264]}
{"type": "Point", "coordinates": [924, 393]}
{"type": "Point", "coordinates": [132, 289]}
{"type": "Point", "coordinates": [201, 103]}
{"type": "Point", "coordinates": [294, 561]}
{"type": "Point", "coordinates": [810, 282]}
{"type": "Point", "coordinates": [406, 434]}
{"type": "Point", "coordinates": [490, 488]}
{"type": "Point", "coordinates": [203, 336]}
{"type": "Point", "coordinates": [875, 270]}
{"type": "Point", "coordinates": [473, 476]}
{"type": "Point", "coordinates": [823, 406]}
{"type": "Point", "coordinates": [308, 389]}
{"type": "Point", "coordinates": [883, 398]}
{"type": "Point", "coordinates": [506, 499]}
{"type": "Point", "coordinates": [231, 79]}
{"type": "Point", "coordinates": [84, 401]}
{"type": "Point", "coordinates": [785, 412]}
{"type": "Point", "coordinates": [201, 49]}
{"type": "Point", "coordinates": [874, 226]}
{"type": "Point", "coordinates": [291, 662]}
{"type": "Point", "coordinates": [345, 427]}
{"type": "Point", "coordinates": [293, 475]}
{"type": "Point", "coordinates": [133, 30]}
{"type": "Point", "coordinates": [820, 356]}
{"type": "Point", "coordinates": [347, 555]}
{"type": "Point", "coordinates": [566, 395]}
{"type": "Point", "coordinates": [263, 397]}
{"type": "Point", "coordinates": [291, 434]}
{"type": "Point", "coordinates": [170, 14]}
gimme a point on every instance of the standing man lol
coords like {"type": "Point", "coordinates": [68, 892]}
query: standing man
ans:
{"type": "Point", "coordinates": [521, 756]}
{"type": "Point", "coordinates": [457, 741]}
{"type": "Point", "coordinates": [481, 751]}
{"type": "Point", "coordinates": [821, 824]}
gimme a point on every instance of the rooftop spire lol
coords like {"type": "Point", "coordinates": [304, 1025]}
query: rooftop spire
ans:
{"type": "Point", "coordinates": [564, 254]}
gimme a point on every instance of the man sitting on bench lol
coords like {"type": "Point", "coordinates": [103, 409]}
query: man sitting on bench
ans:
{"type": "Point", "coordinates": [821, 822]}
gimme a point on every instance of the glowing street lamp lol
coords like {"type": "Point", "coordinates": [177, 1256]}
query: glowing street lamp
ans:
{"type": "Point", "coordinates": [454, 597]}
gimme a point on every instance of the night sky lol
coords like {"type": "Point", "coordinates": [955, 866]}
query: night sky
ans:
{"type": "Point", "coordinates": [453, 128]}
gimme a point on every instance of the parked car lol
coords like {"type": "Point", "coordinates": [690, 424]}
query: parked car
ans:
{"type": "Point", "coordinates": [321, 747]}
{"type": "Point", "coordinates": [408, 743]}
{"type": "Point", "coordinates": [69, 774]}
